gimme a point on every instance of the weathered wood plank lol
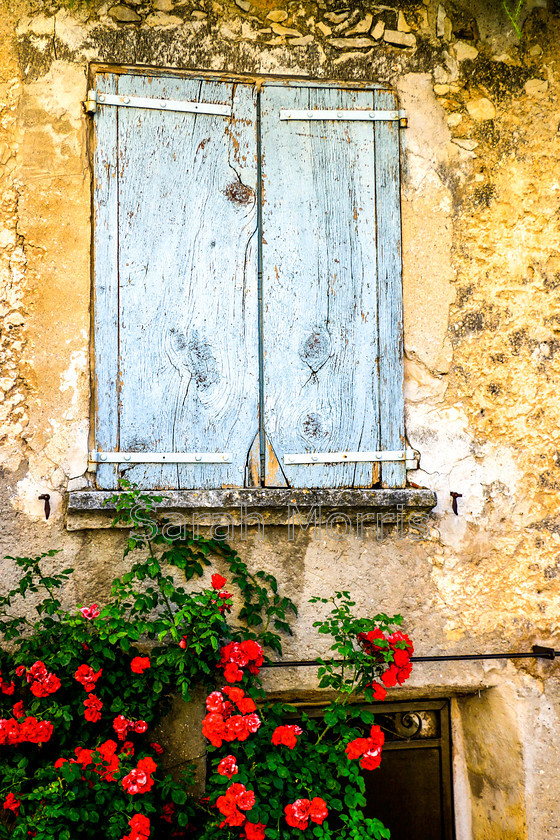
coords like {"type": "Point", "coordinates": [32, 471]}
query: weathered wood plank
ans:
{"type": "Point", "coordinates": [188, 289]}
{"type": "Point", "coordinates": [389, 272]}
{"type": "Point", "coordinates": [106, 282]}
{"type": "Point", "coordinates": [319, 284]}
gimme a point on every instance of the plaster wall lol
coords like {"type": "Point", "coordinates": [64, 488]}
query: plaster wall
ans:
{"type": "Point", "coordinates": [481, 178]}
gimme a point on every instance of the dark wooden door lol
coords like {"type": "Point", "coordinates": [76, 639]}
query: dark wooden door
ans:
{"type": "Point", "coordinates": [411, 791]}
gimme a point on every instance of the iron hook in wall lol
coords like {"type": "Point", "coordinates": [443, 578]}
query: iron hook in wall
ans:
{"type": "Point", "coordinates": [455, 496]}
{"type": "Point", "coordinates": [46, 498]}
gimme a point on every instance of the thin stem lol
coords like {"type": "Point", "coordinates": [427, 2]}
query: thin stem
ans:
{"type": "Point", "coordinates": [513, 16]}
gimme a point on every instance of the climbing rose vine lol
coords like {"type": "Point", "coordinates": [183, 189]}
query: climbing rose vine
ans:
{"type": "Point", "coordinates": [83, 691]}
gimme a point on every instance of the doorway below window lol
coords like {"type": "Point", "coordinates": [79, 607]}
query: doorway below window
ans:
{"type": "Point", "coordinates": [411, 792]}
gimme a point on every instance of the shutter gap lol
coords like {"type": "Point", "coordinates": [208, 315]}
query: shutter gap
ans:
{"type": "Point", "coordinates": [262, 441]}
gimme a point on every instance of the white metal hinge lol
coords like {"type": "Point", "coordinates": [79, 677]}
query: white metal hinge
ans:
{"type": "Point", "coordinates": [364, 115]}
{"type": "Point", "coordinates": [95, 98]}
{"type": "Point", "coordinates": [410, 456]}
{"type": "Point", "coordinates": [96, 458]}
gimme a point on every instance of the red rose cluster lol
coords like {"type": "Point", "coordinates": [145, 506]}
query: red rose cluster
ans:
{"type": "Point", "coordinates": [286, 735]}
{"type": "Point", "coordinates": [6, 688]}
{"type": "Point", "coordinates": [30, 731]}
{"type": "Point", "coordinates": [217, 583]}
{"type": "Point", "coordinates": [139, 828]}
{"type": "Point", "coordinates": [301, 811]}
{"type": "Point", "coordinates": [41, 682]}
{"type": "Point", "coordinates": [140, 779]}
{"type": "Point", "coordinates": [93, 706]}
{"type": "Point", "coordinates": [121, 726]}
{"type": "Point", "coordinates": [222, 723]}
{"type": "Point", "coordinates": [368, 750]}
{"type": "Point", "coordinates": [402, 648]}
{"type": "Point", "coordinates": [11, 803]}
{"type": "Point", "coordinates": [233, 803]}
{"type": "Point", "coordinates": [87, 677]}
{"type": "Point", "coordinates": [238, 655]}
{"type": "Point", "coordinates": [109, 759]}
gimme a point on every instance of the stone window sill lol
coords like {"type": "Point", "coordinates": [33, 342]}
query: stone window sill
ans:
{"type": "Point", "coordinates": [86, 508]}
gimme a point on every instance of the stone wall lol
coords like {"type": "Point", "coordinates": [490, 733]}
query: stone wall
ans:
{"type": "Point", "coordinates": [481, 180]}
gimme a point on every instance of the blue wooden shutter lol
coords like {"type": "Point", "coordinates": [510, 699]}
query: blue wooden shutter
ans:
{"type": "Point", "coordinates": [332, 317]}
{"type": "Point", "coordinates": [175, 280]}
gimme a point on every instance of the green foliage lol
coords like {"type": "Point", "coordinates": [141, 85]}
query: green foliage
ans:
{"type": "Point", "coordinates": [354, 670]}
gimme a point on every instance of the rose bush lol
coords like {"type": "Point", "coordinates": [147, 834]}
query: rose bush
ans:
{"type": "Point", "coordinates": [82, 690]}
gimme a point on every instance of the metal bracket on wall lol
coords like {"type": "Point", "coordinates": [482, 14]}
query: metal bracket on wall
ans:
{"type": "Point", "coordinates": [96, 458]}
{"type": "Point", "coordinates": [96, 98]}
{"type": "Point", "coordinates": [364, 115]}
{"type": "Point", "coordinates": [408, 455]}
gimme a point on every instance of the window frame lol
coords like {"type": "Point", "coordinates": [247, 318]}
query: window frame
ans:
{"type": "Point", "coordinates": [391, 329]}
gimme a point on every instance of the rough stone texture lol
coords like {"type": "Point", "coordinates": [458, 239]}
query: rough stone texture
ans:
{"type": "Point", "coordinates": [481, 109]}
{"type": "Point", "coordinates": [399, 39]}
{"type": "Point", "coordinates": [481, 280]}
{"type": "Point", "coordinates": [123, 14]}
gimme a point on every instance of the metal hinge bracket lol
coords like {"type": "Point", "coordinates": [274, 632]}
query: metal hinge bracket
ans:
{"type": "Point", "coordinates": [365, 115]}
{"type": "Point", "coordinates": [96, 98]}
{"type": "Point", "coordinates": [125, 458]}
{"type": "Point", "coordinates": [410, 456]}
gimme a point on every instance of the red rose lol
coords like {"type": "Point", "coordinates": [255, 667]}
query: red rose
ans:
{"type": "Point", "coordinates": [35, 731]}
{"type": "Point", "coordinates": [20, 670]}
{"type": "Point", "coordinates": [286, 735]}
{"type": "Point", "coordinates": [213, 728]}
{"type": "Point", "coordinates": [140, 664]}
{"type": "Point", "coordinates": [157, 748]}
{"type": "Point", "coordinates": [140, 726]}
{"type": "Point", "coordinates": [93, 706]}
{"type": "Point", "coordinates": [235, 800]}
{"type": "Point", "coordinates": [379, 693]}
{"type": "Point", "coordinates": [356, 748]}
{"type": "Point", "coordinates": [252, 722]}
{"type": "Point", "coordinates": [297, 814]}
{"type": "Point", "coordinates": [120, 725]}
{"type": "Point", "coordinates": [228, 767]}
{"type": "Point", "coordinates": [168, 811]}
{"type": "Point", "coordinates": [42, 683]}
{"type": "Point", "coordinates": [90, 612]}
{"type": "Point", "coordinates": [246, 800]}
{"type": "Point", "coordinates": [232, 673]}
{"type": "Point", "coordinates": [368, 750]}
{"type": "Point", "coordinates": [137, 781]}
{"type": "Point", "coordinates": [87, 677]}
{"type": "Point", "coordinates": [389, 678]}
{"type": "Point", "coordinates": [19, 711]}
{"type": "Point", "coordinates": [318, 812]}
{"type": "Point", "coordinates": [215, 702]}
{"type": "Point", "coordinates": [371, 759]}
{"type": "Point", "coordinates": [254, 831]}
{"type": "Point", "coordinates": [218, 581]}
{"type": "Point", "coordinates": [11, 803]}
{"type": "Point", "coordinates": [139, 828]}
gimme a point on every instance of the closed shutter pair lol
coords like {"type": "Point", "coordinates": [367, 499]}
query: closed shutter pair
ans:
{"type": "Point", "coordinates": [247, 284]}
